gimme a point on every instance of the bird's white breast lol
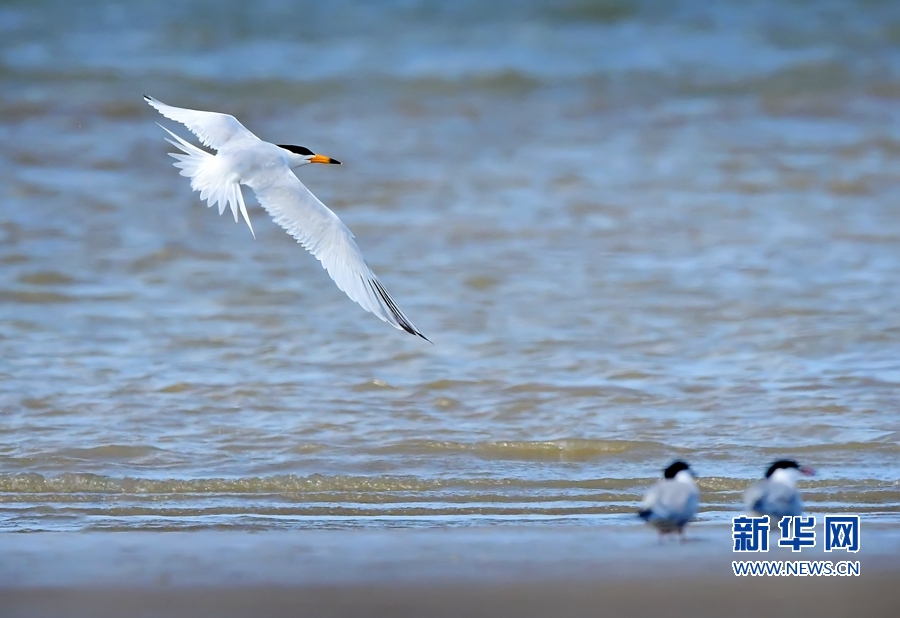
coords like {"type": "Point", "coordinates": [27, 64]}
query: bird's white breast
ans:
{"type": "Point", "coordinates": [257, 163]}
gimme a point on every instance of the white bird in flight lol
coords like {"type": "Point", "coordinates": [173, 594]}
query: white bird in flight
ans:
{"type": "Point", "coordinates": [672, 502]}
{"type": "Point", "coordinates": [244, 159]}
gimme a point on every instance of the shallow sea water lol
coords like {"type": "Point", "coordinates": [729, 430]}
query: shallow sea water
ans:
{"type": "Point", "coordinates": [634, 231]}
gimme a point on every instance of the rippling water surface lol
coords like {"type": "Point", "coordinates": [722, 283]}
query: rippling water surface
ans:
{"type": "Point", "coordinates": [633, 230]}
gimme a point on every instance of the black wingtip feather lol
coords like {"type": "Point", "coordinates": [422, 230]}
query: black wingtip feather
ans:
{"type": "Point", "coordinates": [402, 320]}
{"type": "Point", "coordinates": [645, 514]}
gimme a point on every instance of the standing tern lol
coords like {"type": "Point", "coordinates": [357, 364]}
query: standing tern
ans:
{"type": "Point", "coordinates": [776, 495]}
{"type": "Point", "coordinates": [244, 159]}
{"type": "Point", "coordinates": [672, 502]}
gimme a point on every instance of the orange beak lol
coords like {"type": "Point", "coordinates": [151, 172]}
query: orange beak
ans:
{"type": "Point", "coordinates": [323, 159]}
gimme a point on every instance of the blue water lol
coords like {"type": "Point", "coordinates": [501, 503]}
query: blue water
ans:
{"type": "Point", "coordinates": [634, 231]}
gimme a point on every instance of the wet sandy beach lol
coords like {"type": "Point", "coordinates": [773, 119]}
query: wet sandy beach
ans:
{"type": "Point", "coordinates": [521, 571]}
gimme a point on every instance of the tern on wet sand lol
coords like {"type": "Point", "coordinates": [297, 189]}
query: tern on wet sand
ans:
{"type": "Point", "coordinates": [672, 502]}
{"type": "Point", "coordinates": [243, 159]}
{"type": "Point", "coordinates": [776, 495]}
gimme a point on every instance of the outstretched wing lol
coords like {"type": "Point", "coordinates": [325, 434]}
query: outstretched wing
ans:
{"type": "Point", "coordinates": [323, 234]}
{"type": "Point", "coordinates": [213, 129]}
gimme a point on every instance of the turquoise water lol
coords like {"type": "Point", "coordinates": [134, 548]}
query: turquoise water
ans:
{"type": "Point", "coordinates": [634, 231]}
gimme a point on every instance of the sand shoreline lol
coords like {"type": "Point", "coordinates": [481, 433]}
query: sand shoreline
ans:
{"type": "Point", "coordinates": [489, 571]}
{"type": "Point", "coordinates": [876, 596]}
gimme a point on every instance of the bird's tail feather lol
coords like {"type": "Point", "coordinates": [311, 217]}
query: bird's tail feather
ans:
{"type": "Point", "coordinates": [206, 177]}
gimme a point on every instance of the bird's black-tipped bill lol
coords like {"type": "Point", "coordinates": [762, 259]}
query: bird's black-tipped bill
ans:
{"type": "Point", "coordinates": [323, 159]}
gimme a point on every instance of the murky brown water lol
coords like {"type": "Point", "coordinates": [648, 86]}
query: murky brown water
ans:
{"type": "Point", "coordinates": [633, 232]}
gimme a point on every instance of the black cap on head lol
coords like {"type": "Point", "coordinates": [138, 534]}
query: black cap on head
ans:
{"type": "Point", "coordinates": [675, 468]}
{"type": "Point", "coordinates": [300, 150]}
{"type": "Point", "coordinates": [781, 463]}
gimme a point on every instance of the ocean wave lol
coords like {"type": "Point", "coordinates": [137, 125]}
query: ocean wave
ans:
{"type": "Point", "coordinates": [288, 483]}
{"type": "Point", "coordinates": [572, 449]}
